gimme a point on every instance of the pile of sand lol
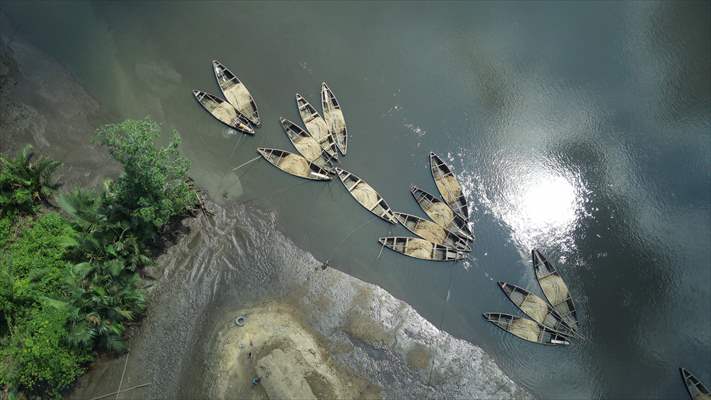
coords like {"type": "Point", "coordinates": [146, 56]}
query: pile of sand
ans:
{"type": "Point", "coordinates": [274, 346]}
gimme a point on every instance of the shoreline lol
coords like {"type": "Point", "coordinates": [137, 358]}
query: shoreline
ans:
{"type": "Point", "coordinates": [386, 346]}
{"type": "Point", "coordinates": [207, 280]}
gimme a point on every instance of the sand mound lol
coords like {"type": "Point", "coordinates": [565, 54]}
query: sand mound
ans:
{"type": "Point", "coordinates": [555, 289]}
{"type": "Point", "coordinates": [535, 307]}
{"type": "Point", "coordinates": [440, 213]}
{"type": "Point", "coordinates": [449, 187]}
{"type": "Point", "coordinates": [419, 248]}
{"type": "Point", "coordinates": [297, 165]}
{"type": "Point", "coordinates": [308, 147]}
{"type": "Point", "coordinates": [526, 329]}
{"type": "Point", "coordinates": [430, 231]}
{"type": "Point", "coordinates": [365, 195]}
{"type": "Point", "coordinates": [288, 359]}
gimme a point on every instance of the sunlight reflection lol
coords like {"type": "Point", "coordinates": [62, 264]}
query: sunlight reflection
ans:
{"type": "Point", "coordinates": [542, 207]}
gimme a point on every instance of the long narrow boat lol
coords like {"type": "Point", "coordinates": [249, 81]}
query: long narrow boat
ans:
{"type": "Point", "coordinates": [293, 164]}
{"type": "Point", "coordinates": [448, 186]}
{"type": "Point", "coordinates": [428, 230]}
{"type": "Point", "coordinates": [526, 329]}
{"type": "Point", "coordinates": [535, 308]}
{"type": "Point", "coordinates": [306, 145]}
{"type": "Point", "coordinates": [223, 111]}
{"type": "Point", "coordinates": [421, 248]}
{"type": "Point", "coordinates": [441, 213]}
{"type": "Point", "coordinates": [696, 389]}
{"type": "Point", "coordinates": [555, 289]}
{"type": "Point", "coordinates": [366, 196]}
{"type": "Point", "coordinates": [333, 116]}
{"type": "Point", "coordinates": [316, 126]}
{"type": "Point", "coordinates": [236, 93]}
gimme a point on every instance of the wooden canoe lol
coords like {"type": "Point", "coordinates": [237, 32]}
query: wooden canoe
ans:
{"type": "Point", "coordinates": [236, 93]}
{"type": "Point", "coordinates": [448, 186]}
{"type": "Point", "coordinates": [555, 289]}
{"type": "Point", "coordinates": [428, 230]}
{"type": "Point", "coordinates": [535, 308]}
{"type": "Point", "coordinates": [333, 115]}
{"type": "Point", "coordinates": [696, 389]}
{"type": "Point", "coordinates": [365, 195]}
{"type": "Point", "coordinates": [316, 126]}
{"type": "Point", "coordinates": [306, 145]}
{"type": "Point", "coordinates": [526, 329]}
{"type": "Point", "coordinates": [293, 164]}
{"type": "Point", "coordinates": [223, 111]}
{"type": "Point", "coordinates": [421, 248]}
{"type": "Point", "coordinates": [441, 213]}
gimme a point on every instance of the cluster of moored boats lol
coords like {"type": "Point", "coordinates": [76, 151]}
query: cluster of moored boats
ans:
{"type": "Point", "coordinates": [238, 110]}
{"type": "Point", "coordinates": [552, 321]}
{"type": "Point", "coordinates": [445, 236]}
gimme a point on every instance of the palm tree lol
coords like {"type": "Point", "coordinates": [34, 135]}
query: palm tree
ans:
{"type": "Point", "coordinates": [26, 181]}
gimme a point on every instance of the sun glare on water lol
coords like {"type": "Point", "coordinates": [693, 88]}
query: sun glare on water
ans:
{"type": "Point", "coordinates": [542, 207]}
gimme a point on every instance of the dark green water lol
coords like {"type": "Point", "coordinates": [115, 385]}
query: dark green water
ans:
{"type": "Point", "coordinates": [579, 128]}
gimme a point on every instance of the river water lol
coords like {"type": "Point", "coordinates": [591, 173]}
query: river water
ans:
{"type": "Point", "coordinates": [578, 128]}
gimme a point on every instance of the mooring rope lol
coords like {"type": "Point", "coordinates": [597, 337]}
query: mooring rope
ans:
{"type": "Point", "coordinates": [122, 391]}
{"type": "Point", "coordinates": [248, 162]}
{"type": "Point", "coordinates": [122, 374]}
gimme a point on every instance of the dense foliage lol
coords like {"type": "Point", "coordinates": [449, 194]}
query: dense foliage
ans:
{"type": "Point", "coordinates": [25, 182]}
{"type": "Point", "coordinates": [70, 284]}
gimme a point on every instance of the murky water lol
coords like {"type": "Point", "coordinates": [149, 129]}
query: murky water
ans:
{"type": "Point", "coordinates": [579, 128]}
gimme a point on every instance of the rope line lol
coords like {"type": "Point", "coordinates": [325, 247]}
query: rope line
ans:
{"type": "Point", "coordinates": [248, 162]}
{"type": "Point", "coordinates": [122, 375]}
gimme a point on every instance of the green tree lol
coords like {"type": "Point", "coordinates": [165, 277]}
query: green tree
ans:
{"type": "Point", "coordinates": [153, 187]}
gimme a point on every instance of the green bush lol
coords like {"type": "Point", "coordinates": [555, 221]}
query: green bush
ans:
{"type": "Point", "coordinates": [37, 359]}
{"type": "Point", "coordinates": [33, 270]}
{"type": "Point", "coordinates": [38, 253]}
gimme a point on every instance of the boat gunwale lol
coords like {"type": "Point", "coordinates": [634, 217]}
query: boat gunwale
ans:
{"type": "Point", "coordinates": [381, 201]}
{"type": "Point", "coordinates": [527, 293]}
{"type": "Point", "coordinates": [464, 245]}
{"type": "Point", "coordinates": [257, 123]}
{"type": "Point", "coordinates": [466, 232]}
{"type": "Point", "coordinates": [301, 132]}
{"type": "Point", "coordinates": [336, 105]}
{"type": "Point", "coordinates": [325, 175]}
{"type": "Point", "coordinates": [199, 94]}
{"type": "Point", "coordinates": [441, 165]}
{"type": "Point", "coordinates": [566, 343]}
{"type": "Point", "coordinates": [569, 298]}
{"type": "Point", "coordinates": [435, 247]}
{"type": "Point", "coordinates": [698, 385]}
{"type": "Point", "coordinates": [332, 148]}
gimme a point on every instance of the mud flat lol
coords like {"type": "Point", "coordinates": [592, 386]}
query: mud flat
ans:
{"type": "Point", "coordinates": [317, 332]}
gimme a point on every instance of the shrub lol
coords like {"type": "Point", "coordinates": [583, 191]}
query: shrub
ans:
{"type": "Point", "coordinates": [36, 359]}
